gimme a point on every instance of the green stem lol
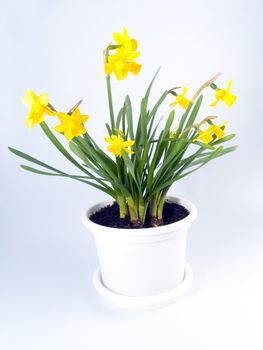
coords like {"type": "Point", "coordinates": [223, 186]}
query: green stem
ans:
{"type": "Point", "coordinates": [153, 207]}
{"type": "Point", "coordinates": [155, 210]}
{"type": "Point", "coordinates": [122, 206]}
{"type": "Point", "coordinates": [133, 211]}
{"type": "Point", "coordinates": [142, 211]}
{"type": "Point", "coordinates": [110, 103]}
{"type": "Point", "coordinates": [160, 207]}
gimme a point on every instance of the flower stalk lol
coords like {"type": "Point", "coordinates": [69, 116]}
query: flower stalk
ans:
{"type": "Point", "coordinates": [108, 82]}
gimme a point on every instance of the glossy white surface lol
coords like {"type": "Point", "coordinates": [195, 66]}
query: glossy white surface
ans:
{"type": "Point", "coordinates": [141, 263]}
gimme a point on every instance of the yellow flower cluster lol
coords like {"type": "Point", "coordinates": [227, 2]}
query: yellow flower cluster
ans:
{"type": "Point", "coordinates": [71, 124]}
{"type": "Point", "coordinates": [120, 63]}
{"type": "Point", "coordinates": [123, 61]}
{"type": "Point", "coordinates": [212, 132]}
{"type": "Point", "coordinates": [220, 94]}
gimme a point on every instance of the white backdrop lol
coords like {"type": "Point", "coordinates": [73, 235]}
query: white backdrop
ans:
{"type": "Point", "coordinates": [47, 300]}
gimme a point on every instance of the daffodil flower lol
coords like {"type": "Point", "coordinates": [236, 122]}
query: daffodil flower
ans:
{"type": "Point", "coordinates": [211, 132]}
{"type": "Point", "coordinates": [181, 100]}
{"type": "Point", "coordinates": [123, 61]}
{"type": "Point", "coordinates": [117, 145]}
{"type": "Point", "coordinates": [124, 43]}
{"type": "Point", "coordinates": [71, 124]}
{"type": "Point", "coordinates": [224, 95]}
{"type": "Point", "coordinates": [38, 107]}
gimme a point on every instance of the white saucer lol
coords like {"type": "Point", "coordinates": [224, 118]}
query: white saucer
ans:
{"type": "Point", "coordinates": [142, 303]}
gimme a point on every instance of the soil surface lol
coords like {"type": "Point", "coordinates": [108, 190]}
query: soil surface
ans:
{"type": "Point", "coordinates": [109, 216]}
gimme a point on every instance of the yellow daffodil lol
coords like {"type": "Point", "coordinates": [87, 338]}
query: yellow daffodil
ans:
{"type": "Point", "coordinates": [211, 132]}
{"type": "Point", "coordinates": [123, 61]}
{"type": "Point", "coordinates": [71, 125]}
{"type": "Point", "coordinates": [117, 145]}
{"type": "Point", "coordinates": [38, 106]}
{"type": "Point", "coordinates": [181, 100]}
{"type": "Point", "coordinates": [205, 136]}
{"type": "Point", "coordinates": [224, 95]}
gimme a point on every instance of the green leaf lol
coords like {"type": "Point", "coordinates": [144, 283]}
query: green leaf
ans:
{"type": "Point", "coordinates": [109, 129]}
{"type": "Point", "coordinates": [119, 118]}
{"type": "Point", "coordinates": [224, 139]}
{"type": "Point", "coordinates": [194, 112]}
{"type": "Point", "coordinates": [204, 145]}
{"type": "Point", "coordinates": [206, 156]}
{"type": "Point", "coordinates": [150, 86]}
{"type": "Point", "coordinates": [33, 160]}
{"type": "Point", "coordinates": [36, 171]}
{"type": "Point", "coordinates": [143, 122]}
{"type": "Point", "coordinates": [130, 167]}
{"type": "Point", "coordinates": [103, 187]}
{"type": "Point", "coordinates": [128, 110]}
{"type": "Point", "coordinates": [59, 146]}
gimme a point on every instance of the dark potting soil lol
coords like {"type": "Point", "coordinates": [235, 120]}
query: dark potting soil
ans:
{"type": "Point", "coordinates": [109, 216]}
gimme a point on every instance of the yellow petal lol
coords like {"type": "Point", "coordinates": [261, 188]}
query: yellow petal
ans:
{"type": "Point", "coordinates": [229, 99]}
{"type": "Point", "coordinates": [43, 99]}
{"type": "Point", "coordinates": [183, 102]}
{"type": "Point", "coordinates": [59, 128]}
{"type": "Point", "coordinates": [184, 91]}
{"type": "Point", "coordinates": [83, 118]}
{"type": "Point", "coordinates": [117, 38]}
{"type": "Point", "coordinates": [125, 34]}
{"type": "Point", "coordinates": [108, 68]}
{"type": "Point", "coordinates": [134, 44]}
{"type": "Point", "coordinates": [219, 133]}
{"type": "Point", "coordinates": [108, 139]}
{"type": "Point", "coordinates": [29, 122]}
{"type": "Point", "coordinates": [128, 151]}
{"type": "Point", "coordinates": [229, 85]}
{"type": "Point", "coordinates": [68, 135]}
{"type": "Point", "coordinates": [128, 143]}
{"type": "Point", "coordinates": [135, 68]}
{"type": "Point", "coordinates": [214, 103]}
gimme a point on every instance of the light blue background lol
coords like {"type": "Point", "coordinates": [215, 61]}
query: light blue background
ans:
{"type": "Point", "coordinates": [47, 257]}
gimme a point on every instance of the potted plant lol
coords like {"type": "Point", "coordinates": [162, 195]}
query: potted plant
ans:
{"type": "Point", "coordinates": [141, 232]}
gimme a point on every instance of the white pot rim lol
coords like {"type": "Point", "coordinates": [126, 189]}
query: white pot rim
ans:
{"type": "Point", "coordinates": [124, 234]}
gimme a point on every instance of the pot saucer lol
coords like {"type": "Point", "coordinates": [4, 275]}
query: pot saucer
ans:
{"type": "Point", "coordinates": [142, 303]}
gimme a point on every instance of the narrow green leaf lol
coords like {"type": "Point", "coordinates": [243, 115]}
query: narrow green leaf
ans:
{"type": "Point", "coordinates": [128, 109]}
{"type": "Point", "coordinates": [224, 139]}
{"type": "Point", "coordinates": [143, 122]}
{"type": "Point", "coordinates": [150, 86]}
{"type": "Point", "coordinates": [119, 118]}
{"type": "Point", "coordinates": [204, 145]}
{"type": "Point", "coordinates": [59, 146]}
{"type": "Point", "coordinates": [108, 129]}
{"type": "Point", "coordinates": [36, 171]}
{"type": "Point", "coordinates": [33, 160]}
{"type": "Point", "coordinates": [130, 167]}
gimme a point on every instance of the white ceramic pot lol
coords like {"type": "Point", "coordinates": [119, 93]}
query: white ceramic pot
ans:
{"type": "Point", "coordinates": [142, 263]}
